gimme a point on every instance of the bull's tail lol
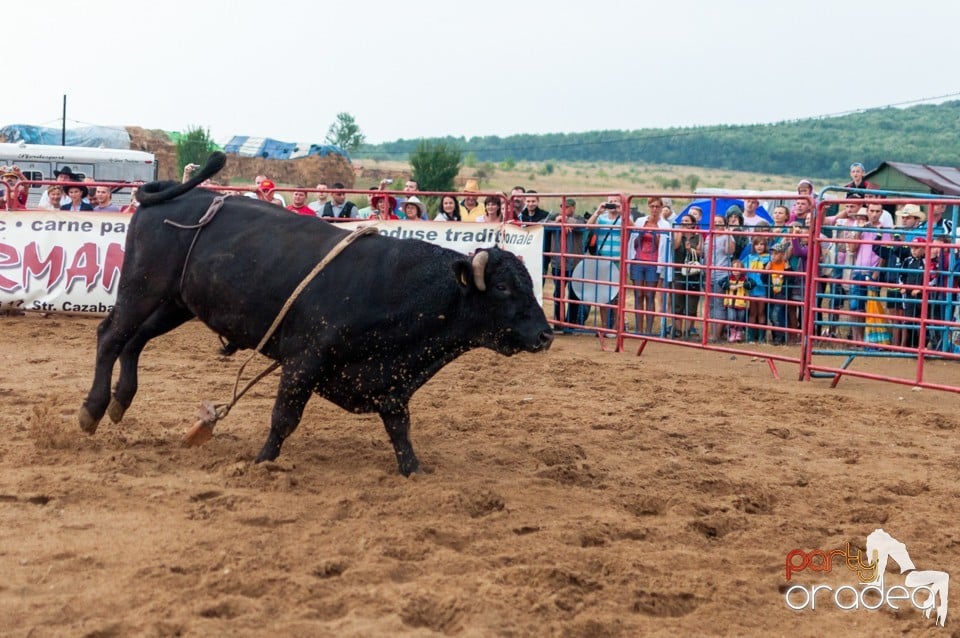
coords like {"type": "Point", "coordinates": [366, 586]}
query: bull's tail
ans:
{"type": "Point", "coordinates": [159, 192]}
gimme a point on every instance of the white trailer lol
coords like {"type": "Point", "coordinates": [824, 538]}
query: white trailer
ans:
{"type": "Point", "coordinates": [38, 162]}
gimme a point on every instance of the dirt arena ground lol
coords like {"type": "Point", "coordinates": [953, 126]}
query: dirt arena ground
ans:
{"type": "Point", "coordinates": [572, 493]}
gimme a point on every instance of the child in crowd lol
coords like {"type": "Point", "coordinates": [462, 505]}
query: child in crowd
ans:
{"type": "Point", "coordinates": [756, 263]}
{"type": "Point", "coordinates": [911, 274]}
{"type": "Point", "coordinates": [777, 286]}
{"type": "Point", "coordinates": [736, 286]}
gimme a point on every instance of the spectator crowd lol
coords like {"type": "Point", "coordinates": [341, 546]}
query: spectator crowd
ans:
{"type": "Point", "coordinates": [744, 268]}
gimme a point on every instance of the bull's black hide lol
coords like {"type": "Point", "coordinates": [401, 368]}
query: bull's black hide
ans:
{"type": "Point", "coordinates": [376, 323]}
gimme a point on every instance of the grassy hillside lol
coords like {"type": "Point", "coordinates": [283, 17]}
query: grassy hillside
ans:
{"type": "Point", "coordinates": [822, 148]}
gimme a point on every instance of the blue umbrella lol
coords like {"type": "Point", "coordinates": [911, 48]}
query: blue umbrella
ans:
{"type": "Point", "coordinates": [723, 204]}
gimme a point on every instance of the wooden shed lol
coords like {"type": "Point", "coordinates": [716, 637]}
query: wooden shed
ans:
{"type": "Point", "coordinates": [916, 178]}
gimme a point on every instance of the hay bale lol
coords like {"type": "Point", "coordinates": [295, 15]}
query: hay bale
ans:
{"type": "Point", "coordinates": [304, 171]}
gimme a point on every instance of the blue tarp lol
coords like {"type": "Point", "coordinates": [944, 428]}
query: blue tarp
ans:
{"type": "Point", "coordinates": [88, 136]}
{"type": "Point", "coordinates": [723, 204]}
{"type": "Point", "coordinates": [265, 147]}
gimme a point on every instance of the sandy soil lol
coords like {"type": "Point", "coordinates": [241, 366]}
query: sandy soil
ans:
{"type": "Point", "coordinates": [573, 493]}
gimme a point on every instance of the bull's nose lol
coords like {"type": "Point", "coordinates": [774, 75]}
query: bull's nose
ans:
{"type": "Point", "coordinates": [546, 338]}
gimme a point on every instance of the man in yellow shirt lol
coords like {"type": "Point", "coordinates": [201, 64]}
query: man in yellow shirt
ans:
{"type": "Point", "coordinates": [470, 207]}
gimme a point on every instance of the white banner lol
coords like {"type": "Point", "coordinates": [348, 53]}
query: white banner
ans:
{"type": "Point", "coordinates": [56, 261]}
{"type": "Point", "coordinates": [68, 262]}
{"type": "Point", "coordinates": [525, 242]}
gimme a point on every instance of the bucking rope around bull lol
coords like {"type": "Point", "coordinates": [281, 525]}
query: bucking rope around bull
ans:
{"type": "Point", "coordinates": [209, 413]}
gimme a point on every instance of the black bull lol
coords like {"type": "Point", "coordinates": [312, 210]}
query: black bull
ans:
{"type": "Point", "coordinates": [372, 327]}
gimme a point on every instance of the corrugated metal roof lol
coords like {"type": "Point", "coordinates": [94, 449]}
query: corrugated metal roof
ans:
{"type": "Point", "coordinates": [941, 179]}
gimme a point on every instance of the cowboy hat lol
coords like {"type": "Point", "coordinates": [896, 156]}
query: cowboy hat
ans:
{"type": "Point", "coordinates": [912, 210]}
{"type": "Point", "coordinates": [66, 170]}
{"type": "Point", "coordinates": [71, 185]}
{"type": "Point", "coordinates": [416, 202]}
{"type": "Point", "coordinates": [375, 201]}
{"type": "Point", "coordinates": [472, 186]}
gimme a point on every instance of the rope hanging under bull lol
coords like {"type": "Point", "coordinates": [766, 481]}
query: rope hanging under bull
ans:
{"type": "Point", "coordinates": [210, 413]}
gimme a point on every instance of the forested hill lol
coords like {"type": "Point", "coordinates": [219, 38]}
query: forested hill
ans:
{"type": "Point", "coordinates": [824, 147]}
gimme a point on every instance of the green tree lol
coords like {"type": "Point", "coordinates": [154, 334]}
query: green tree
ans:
{"type": "Point", "coordinates": [345, 133]}
{"type": "Point", "coordinates": [435, 165]}
{"type": "Point", "coordinates": [194, 147]}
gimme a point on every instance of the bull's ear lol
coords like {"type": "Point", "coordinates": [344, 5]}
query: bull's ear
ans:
{"type": "Point", "coordinates": [462, 271]}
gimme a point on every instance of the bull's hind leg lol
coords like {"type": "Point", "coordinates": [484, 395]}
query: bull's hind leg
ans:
{"type": "Point", "coordinates": [113, 334]}
{"type": "Point", "coordinates": [292, 396]}
{"type": "Point", "coordinates": [163, 320]}
{"type": "Point", "coordinates": [396, 419]}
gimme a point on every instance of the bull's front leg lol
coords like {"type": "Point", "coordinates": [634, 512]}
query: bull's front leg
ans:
{"type": "Point", "coordinates": [292, 396]}
{"type": "Point", "coordinates": [396, 419]}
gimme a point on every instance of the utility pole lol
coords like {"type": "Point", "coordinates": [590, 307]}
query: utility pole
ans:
{"type": "Point", "coordinates": [63, 123]}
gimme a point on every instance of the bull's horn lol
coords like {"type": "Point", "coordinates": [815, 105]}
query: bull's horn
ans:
{"type": "Point", "coordinates": [479, 265]}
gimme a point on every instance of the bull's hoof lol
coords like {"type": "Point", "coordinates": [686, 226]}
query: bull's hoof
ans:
{"type": "Point", "coordinates": [115, 410]}
{"type": "Point", "coordinates": [412, 467]}
{"type": "Point", "coordinates": [200, 433]}
{"type": "Point", "coordinates": [87, 423]}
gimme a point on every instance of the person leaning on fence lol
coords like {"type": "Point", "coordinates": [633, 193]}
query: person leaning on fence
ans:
{"type": "Point", "coordinates": [938, 254]}
{"type": "Point", "coordinates": [736, 288]}
{"type": "Point", "coordinates": [866, 265]}
{"type": "Point", "coordinates": [299, 204]}
{"type": "Point", "coordinates": [797, 253]}
{"type": "Point", "coordinates": [734, 219]}
{"type": "Point", "coordinates": [721, 245]}
{"type": "Point", "coordinates": [910, 275]}
{"type": "Point", "coordinates": [410, 186]}
{"type": "Point", "coordinates": [14, 194]}
{"type": "Point", "coordinates": [492, 211]}
{"type": "Point", "coordinates": [775, 278]}
{"type": "Point", "coordinates": [516, 201]}
{"type": "Point", "coordinates": [76, 192]}
{"type": "Point", "coordinates": [644, 246]}
{"type": "Point", "coordinates": [339, 207]}
{"type": "Point", "coordinates": [606, 244]}
{"type": "Point", "coordinates": [756, 263]}
{"type": "Point", "coordinates": [687, 278]}
{"type": "Point", "coordinates": [104, 201]}
{"type": "Point", "coordinates": [322, 198]}
{"type": "Point", "coordinates": [751, 212]}
{"type": "Point", "coordinates": [941, 225]}
{"type": "Point", "coordinates": [384, 207]}
{"type": "Point", "coordinates": [449, 210]}
{"type": "Point", "coordinates": [470, 208]}
{"type": "Point", "coordinates": [841, 228]}
{"type": "Point", "coordinates": [908, 217]}
{"type": "Point", "coordinates": [54, 195]}
{"type": "Point", "coordinates": [567, 239]}
{"type": "Point", "coordinates": [369, 210]}
{"type": "Point", "coordinates": [62, 174]}
{"type": "Point", "coordinates": [804, 190]}
{"type": "Point", "coordinates": [413, 209]}
{"type": "Point", "coordinates": [133, 204]}
{"type": "Point", "coordinates": [532, 213]}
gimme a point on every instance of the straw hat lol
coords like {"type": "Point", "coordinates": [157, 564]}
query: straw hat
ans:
{"type": "Point", "coordinates": [912, 210]}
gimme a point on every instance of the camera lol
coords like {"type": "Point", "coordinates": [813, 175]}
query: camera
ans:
{"type": "Point", "coordinates": [610, 206]}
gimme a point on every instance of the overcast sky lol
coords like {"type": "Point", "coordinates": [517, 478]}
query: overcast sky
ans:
{"type": "Point", "coordinates": [429, 68]}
